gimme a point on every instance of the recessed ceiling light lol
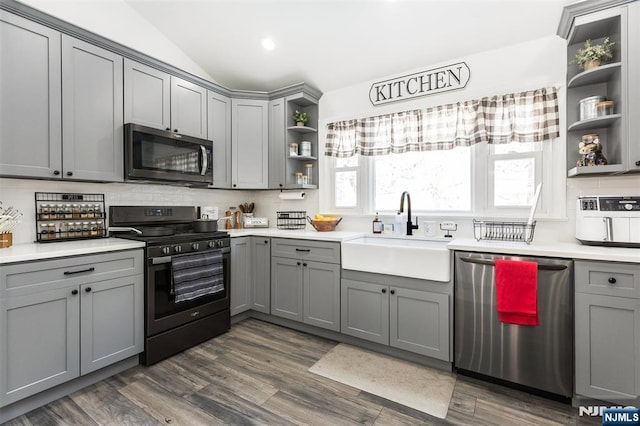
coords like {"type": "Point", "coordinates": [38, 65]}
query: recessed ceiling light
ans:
{"type": "Point", "coordinates": [268, 44]}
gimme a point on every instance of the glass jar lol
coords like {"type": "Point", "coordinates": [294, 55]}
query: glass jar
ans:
{"type": "Point", "coordinates": [309, 173]}
{"type": "Point", "coordinates": [44, 231]}
{"type": "Point", "coordinates": [84, 212]}
{"type": "Point", "coordinates": [93, 229]}
{"type": "Point", "coordinates": [100, 226]}
{"type": "Point", "coordinates": [78, 229]}
{"type": "Point", "coordinates": [71, 230]}
{"type": "Point", "coordinates": [45, 211]}
{"type": "Point", "coordinates": [75, 211]}
{"type": "Point", "coordinates": [67, 211]}
{"type": "Point", "coordinates": [293, 149]}
{"type": "Point", "coordinates": [299, 176]}
{"type": "Point", "coordinates": [90, 211]}
{"type": "Point", "coordinates": [51, 229]}
{"type": "Point", "coordinates": [85, 229]}
{"type": "Point", "coordinates": [604, 108]}
{"type": "Point", "coordinates": [97, 210]}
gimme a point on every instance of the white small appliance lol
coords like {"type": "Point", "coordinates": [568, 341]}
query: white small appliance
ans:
{"type": "Point", "coordinates": [608, 220]}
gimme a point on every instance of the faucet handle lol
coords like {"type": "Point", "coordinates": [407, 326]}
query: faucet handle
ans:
{"type": "Point", "coordinates": [416, 225]}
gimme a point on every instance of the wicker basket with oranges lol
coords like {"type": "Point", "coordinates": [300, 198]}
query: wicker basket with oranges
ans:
{"type": "Point", "coordinates": [323, 223]}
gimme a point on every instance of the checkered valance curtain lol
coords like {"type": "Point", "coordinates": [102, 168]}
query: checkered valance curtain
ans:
{"type": "Point", "coordinates": [530, 116]}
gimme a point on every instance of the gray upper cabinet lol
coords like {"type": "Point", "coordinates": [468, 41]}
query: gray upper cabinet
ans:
{"type": "Point", "coordinates": [277, 171]}
{"type": "Point", "coordinates": [240, 275]}
{"type": "Point", "coordinates": [261, 274]}
{"type": "Point", "coordinates": [156, 99]}
{"type": "Point", "coordinates": [188, 108]}
{"type": "Point", "coordinates": [92, 104]}
{"type": "Point", "coordinates": [147, 96]}
{"type": "Point", "coordinates": [633, 61]}
{"type": "Point", "coordinates": [219, 131]}
{"type": "Point", "coordinates": [249, 135]}
{"type": "Point", "coordinates": [30, 99]}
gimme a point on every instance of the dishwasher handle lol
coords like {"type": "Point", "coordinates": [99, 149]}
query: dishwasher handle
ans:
{"type": "Point", "coordinates": [489, 262]}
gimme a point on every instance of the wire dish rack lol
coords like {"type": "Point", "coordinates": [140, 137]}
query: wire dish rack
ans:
{"type": "Point", "coordinates": [503, 231]}
{"type": "Point", "coordinates": [291, 220]}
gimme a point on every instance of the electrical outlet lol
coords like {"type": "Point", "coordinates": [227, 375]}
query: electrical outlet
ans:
{"type": "Point", "coordinates": [448, 226]}
{"type": "Point", "coordinates": [429, 228]}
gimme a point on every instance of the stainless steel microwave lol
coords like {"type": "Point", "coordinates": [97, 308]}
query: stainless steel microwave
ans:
{"type": "Point", "coordinates": [160, 155]}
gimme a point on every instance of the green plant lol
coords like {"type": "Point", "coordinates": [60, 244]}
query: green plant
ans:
{"type": "Point", "coordinates": [594, 52]}
{"type": "Point", "coordinates": [300, 117]}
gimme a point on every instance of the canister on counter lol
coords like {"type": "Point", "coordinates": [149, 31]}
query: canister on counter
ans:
{"type": "Point", "coordinates": [588, 107]}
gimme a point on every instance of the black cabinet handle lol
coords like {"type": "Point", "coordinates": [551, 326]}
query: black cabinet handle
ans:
{"type": "Point", "coordinates": [611, 280]}
{"type": "Point", "coordinates": [88, 289]}
{"type": "Point", "coordinates": [384, 290]}
{"type": "Point", "coordinates": [74, 292]}
{"type": "Point", "coordinates": [168, 128]}
{"type": "Point", "coordinates": [69, 173]}
{"type": "Point", "coordinates": [392, 292]}
{"type": "Point", "coordinates": [56, 172]}
{"type": "Point", "coordinates": [79, 272]}
{"type": "Point", "coordinates": [303, 250]}
{"type": "Point", "coordinates": [304, 264]}
{"type": "Point", "coordinates": [175, 130]}
{"type": "Point", "coordinates": [298, 263]}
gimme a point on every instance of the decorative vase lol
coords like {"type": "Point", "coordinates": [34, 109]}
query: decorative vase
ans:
{"type": "Point", "coordinates": [300, 123]}
{"type": "Point", "coordinates": [591, 64]}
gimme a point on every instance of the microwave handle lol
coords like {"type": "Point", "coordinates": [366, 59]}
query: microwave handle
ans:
{"type": "Point", "coordinates": [205, 160]}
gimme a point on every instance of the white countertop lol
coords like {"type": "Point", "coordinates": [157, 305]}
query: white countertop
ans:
{"type": "Point", "coordinates": [40, 251]}
{"type": "Point", "coordinates": [303, 234]}
{"type": "Point", "coordinates": [549, 249]}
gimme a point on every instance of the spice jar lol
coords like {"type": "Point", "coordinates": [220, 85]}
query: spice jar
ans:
{"type": "Point", "coordinates": [299, 179]}
{"type": "Point", "coordinates": [44, 211]}
{"type": "Point", "coordinates": [78, 229]}
{"type": "Point", "coordinates": [59, 212]}
{"type": "Point", "coordinates": [75, 211]}
{"type": "Point", "coordinates": [293, 149]}
{"type": "Point", "coordinates": [84, 212]}
{"type": "Point", "coordinates": [93, 229]}
{"type": "Point", "coordinates": [97, 210]}
{"type": "Point", "coordinates": [309, 173]}
{"type": "Point", "coordinates": [67, 211]}
{"type": "Point", "coordinates": [51, 229]}
{"type": "Point", "coordinates": [71, 230]}
{"type": "Point", "coordinates": [44, 231]}
{"type": "Point", "coordinates": [604, 108]}
{"type": "Point", "coordinates": [100, 225]}
{"type": "Point", "coordinates": [85, 229]}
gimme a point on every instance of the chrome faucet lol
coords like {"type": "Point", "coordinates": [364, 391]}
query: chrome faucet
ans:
{"type": "Point", "coordinates": [410, 226]}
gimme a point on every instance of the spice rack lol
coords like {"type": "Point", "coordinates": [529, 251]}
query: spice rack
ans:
{"type": "Point", "coordinates": [291, 220]}
{"type": "Point", "coordinates": [69, 216]}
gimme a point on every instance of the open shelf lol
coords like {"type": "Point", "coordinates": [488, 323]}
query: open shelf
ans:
{"type": "Point", "coordinates": [595, 123]}
{"type": "Point", "coordinates": [596, 75]}
{"type": "Point", "coordinates": [595, 170]}
{"type": "Point", "coordinates": [301, 157]}
{"type": "Point", "coordinates": [302, 129]}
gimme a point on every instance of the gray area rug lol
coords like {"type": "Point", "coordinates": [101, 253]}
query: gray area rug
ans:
{"type": "Point", "coordinates": [406, 383]}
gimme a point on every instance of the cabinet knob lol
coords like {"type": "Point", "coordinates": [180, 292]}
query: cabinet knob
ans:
{"type": "Point", "coordinates": [69, 173]}
{"type": "Point", "coordinates": [56, 172]}
{"type": "Point", "coordinates": [298, 263]}
{"type": "Point", "coordinates": [392, 291]}
{"type": "Point", "coordinates": [175, 130]}
{"type": "Point", "coordinates": [88, 289]}
{"type": "Point", "coordinates": [611, 280]}
{"type": "Point", "coordinates": [234, 185]}
{"type": "Point", "coordinates": [304, 264]}
{"type": "Point", "coordinates": [266, 241]}
{"type": "Point", "coordinates": [638, 163]}
{"type": "Point", "coordinates": [384, 290]}
{"type": "Point", "coordinates": [74, 292]}
{"type": "Point", "coordinates": [168, 129]}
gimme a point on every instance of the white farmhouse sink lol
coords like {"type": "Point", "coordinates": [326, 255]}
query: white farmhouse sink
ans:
{"type": "Point", "coordinates": [427, 260]}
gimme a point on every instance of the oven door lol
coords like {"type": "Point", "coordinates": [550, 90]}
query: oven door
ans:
{"type": "Point", "coordinates": [162, 311]}
{"type": "Point", "coordinates": [152, 154]}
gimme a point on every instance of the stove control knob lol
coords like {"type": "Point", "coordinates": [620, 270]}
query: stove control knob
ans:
{"type": "Point", "coordinates": [195, 246]}
{"type": "Point", "coordinates": [177, 249]}
{"type": "Point", "coordinates": [212, 244]}
{"type": "Point", "coordinates": [166, 250]}
{"type": "Point", "coordinates": [221, 243]}
{"type": "Point", "coordinates": [628, 206]}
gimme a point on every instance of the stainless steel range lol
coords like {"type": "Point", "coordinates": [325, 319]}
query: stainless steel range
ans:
{"type": "Point", "coordinates": [174, 322]}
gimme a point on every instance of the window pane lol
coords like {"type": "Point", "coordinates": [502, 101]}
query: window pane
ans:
{"type": "Point", "coordinates": [507, 148]}
{"type": "Point", "coordinates": [514, 182]}
{"type": "Point", "coordinates": [436, 180]}
{"type": "Point", "coordinates": [346, 189]}
{"type": "Point", "coordinates": [347, 162]}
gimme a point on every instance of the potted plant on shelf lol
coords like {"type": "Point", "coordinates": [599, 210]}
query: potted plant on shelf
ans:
{"type": "Point", "coordinates": [300, 118]}
{"type": "Point", "coordinates": [593, 55]}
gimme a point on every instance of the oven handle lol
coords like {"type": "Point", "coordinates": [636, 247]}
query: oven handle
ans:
{"type": "Point", "coordinates": [205, 160]}
{"type": "Point", "coordinates": [167, 259]}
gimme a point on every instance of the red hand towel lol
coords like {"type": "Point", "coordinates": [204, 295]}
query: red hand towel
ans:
{"type": "Point", "coordinates": [517, 292]}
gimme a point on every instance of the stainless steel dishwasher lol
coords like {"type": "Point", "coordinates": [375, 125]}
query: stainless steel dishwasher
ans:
{"type": "Point", "coordinates": [539, 357]}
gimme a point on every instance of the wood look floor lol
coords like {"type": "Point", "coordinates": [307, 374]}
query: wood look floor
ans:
{"type": "Point", "coordinates": [257, 374]}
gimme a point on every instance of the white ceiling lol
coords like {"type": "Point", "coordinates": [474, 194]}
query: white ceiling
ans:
{"type": "Point", "coordinates": [334, 44]}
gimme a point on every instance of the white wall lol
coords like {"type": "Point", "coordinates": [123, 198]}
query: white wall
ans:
{"type": "Point", "coordinates": [530, 65]}
{"type": "Point", "coordinates": [117, 21]}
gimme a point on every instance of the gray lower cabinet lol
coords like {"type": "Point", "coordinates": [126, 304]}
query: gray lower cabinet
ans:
{"type": "Point", "coordinates": [261, 274]}
{"type": "Point", "coordinates": [240, 275]}
{"type": "Point", "coordinates": [303, 288]}
{"type": "Point", "coordinates": [607, 307]}
{"type": "Point", "coordinates": [249, 147]}
{"type": "Point", "coordinates": [92, 119]}
{"type": "Point", "coordinates": [30, 87]}
{"type": "Point", "coordinates": [409, 319]}
{"type": "Point", "coordinates": [219, 131]}
{"type": "Point", "coordinates": [60, 319]}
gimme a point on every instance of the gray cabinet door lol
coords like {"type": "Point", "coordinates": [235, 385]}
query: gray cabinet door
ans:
{"type": "Point", "coordinates": [419, 322]}
{"type": "Point", "coordinates": [146, 95]}
{"type": "Point", "coordinates": [365, 311]}
{"type": "Point", "coordinates": [250, 145]}
{"type": "Point", "coordinates": [286, 288]}
{"type": "Point", "coordinates": [277, 143]}
{"type": "Point", "coordinates": [219, 131]}
{"type": "Point", "coordinates": [92, 104]}
{"type": "Point", "coordinates": [321, 291]}
{"type": "Point", "coordinates": [240, 275]}
{"type": "Point", "coordinates": [261, 274]}
{"type": "Point", "coordinates": [111, 321]}
{"type": "Point", "coordinates": [633, 96]}
{"type": "Point", "coordinates": [608, 348]}
{"type": "Point", "coordinates": [188, 108]}
{"type": "Point", "coordinates": [39, 342]}
{"type": "Point", "coordinates": [30, 99]}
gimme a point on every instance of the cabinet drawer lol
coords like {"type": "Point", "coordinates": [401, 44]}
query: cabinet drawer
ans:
{"type": "Point", "coordinates": [320, 251]}
{"type": "Point", "coordinates": [608, 278]}
{"type": "Point", "coordinates": [31, 277]}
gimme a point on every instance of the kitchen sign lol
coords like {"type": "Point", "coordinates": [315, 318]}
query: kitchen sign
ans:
{"type": "Point", "coordinates": [438, 80]}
